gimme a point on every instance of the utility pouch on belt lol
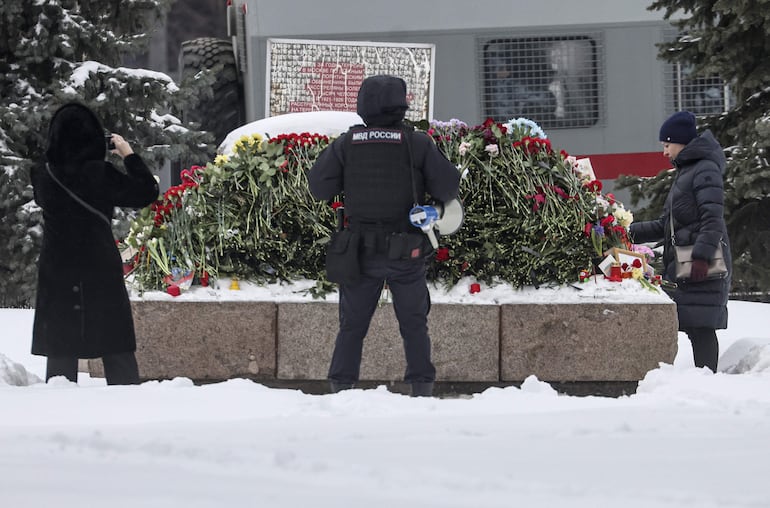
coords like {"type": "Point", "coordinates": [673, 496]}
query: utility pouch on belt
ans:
{"type": "Point", "coordinates": [408, 246]}
{"type": "Point", "coordinates": [342, 257]}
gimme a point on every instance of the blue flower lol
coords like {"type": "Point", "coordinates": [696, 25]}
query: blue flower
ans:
{"type": "Point", "coordinates": [525, 127]}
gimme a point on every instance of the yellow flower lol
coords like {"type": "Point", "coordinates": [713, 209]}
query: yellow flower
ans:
{"type": "Point", "coordinates": [256, 139]}
{"type": "Point", "coordinates": [637, 273]}
{"type": "Point", "coordinates": [248, 142]}
{"type": "Point", "coordinates": [221, 159]}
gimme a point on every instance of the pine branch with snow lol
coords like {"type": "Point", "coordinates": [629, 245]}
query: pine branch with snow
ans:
{"type": "Point", "coordinates": [52, 52]}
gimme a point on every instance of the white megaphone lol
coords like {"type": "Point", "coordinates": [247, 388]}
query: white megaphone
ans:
{"type": "Point", "coordinates": [446, 218]}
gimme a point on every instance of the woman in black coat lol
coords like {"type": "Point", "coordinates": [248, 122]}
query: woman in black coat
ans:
{"type": "Point", "coordinates": [82, 308]}
{"type": "Point", "coordinates": [695, 203]}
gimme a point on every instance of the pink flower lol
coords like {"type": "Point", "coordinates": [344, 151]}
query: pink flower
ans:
{"type": "Point", "coordinates": [643, 249]}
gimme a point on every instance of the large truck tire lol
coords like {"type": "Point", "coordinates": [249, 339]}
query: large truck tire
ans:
{"type": "Point", "coordinates": [225, 110]}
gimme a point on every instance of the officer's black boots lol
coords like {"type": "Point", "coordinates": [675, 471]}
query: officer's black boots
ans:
{"type": "Point", "coordinates": [422, 389]}
{"type": "Point", "coordinates": [335, 386]}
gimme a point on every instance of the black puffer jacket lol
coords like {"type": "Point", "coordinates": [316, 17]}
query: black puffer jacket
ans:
{"type": "Point", "coordinates": [82, 308]}
{"type": "Point", "coordinates": [695, 202]}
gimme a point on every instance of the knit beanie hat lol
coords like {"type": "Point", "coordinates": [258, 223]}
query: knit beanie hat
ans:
{"type": "Point", "coordinates": [679, 128]}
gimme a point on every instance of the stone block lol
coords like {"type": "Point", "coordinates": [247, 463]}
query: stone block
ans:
{"type": "Point", "coordinates": [293, 341]}
{"type": "Point", "coordinates": [586, 342]}
{"type": "Point", "coordinates": [305, 338]}
{"type": "Point", "coordinates": [203, 340]}
{"type": "Point", "coordinates": [465, 341]}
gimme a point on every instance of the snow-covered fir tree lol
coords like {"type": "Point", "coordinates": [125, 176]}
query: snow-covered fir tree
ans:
{"type": "Point", "coordinates": [56, 51]}
{"type": "Point", "coordinates": [731, 39]}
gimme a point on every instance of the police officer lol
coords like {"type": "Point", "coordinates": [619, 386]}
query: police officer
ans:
{"type": "Point", "coordinates": [381, 168]}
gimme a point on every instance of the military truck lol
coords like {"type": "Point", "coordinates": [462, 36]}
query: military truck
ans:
{"type": "Point", "coordinates": [587, 71]}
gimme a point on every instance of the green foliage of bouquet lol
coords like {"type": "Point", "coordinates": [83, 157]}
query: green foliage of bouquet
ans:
{"type": "Point", "coordinates": [248, 215]}
{"type": "Point", "coordinates": [531, 217]}
{"type": "Point", "coordinates": [530, 212]}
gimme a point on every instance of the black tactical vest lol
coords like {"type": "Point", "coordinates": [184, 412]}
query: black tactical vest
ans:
{"type": "Point", "coordinates": [378, 178]}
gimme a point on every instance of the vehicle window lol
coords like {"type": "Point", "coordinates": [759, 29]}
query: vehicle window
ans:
{"type": "Point", "coordinates": [701, 95]}
{"type": "Point", "coordinates": [554, 81]}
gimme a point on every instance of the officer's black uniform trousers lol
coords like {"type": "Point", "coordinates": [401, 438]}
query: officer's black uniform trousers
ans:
{"type": "Point", "coordinates": [411, 303]}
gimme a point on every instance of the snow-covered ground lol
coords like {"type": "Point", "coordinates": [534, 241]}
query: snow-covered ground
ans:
{"type": "Point", "coordinates": [687, 438]}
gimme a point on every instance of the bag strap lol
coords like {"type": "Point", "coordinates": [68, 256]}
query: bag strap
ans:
{"type": "Point", "coordinates": [78, 198]}
{"type": "Point", "coordinates": [407, 138]}
{"type": "Point", "coordinates": [673, 237]}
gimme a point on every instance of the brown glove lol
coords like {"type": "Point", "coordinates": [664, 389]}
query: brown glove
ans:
{"type": "Point", "coordinates": [699, 271]}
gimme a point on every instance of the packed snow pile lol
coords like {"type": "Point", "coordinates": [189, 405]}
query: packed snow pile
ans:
{"type": "Point", "coordinates": [327, 123]}
{"type": "Point", "coordinates": [746, 355]}
{"type": "Point", "coordinates": [597, 289]}
{"type": "Point", "coordinates": [12, 373]}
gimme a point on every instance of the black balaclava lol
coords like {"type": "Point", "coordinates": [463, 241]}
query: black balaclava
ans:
{"type": "Point", "coordinates": [75, 135]}
{"type": "Point", "coordinates": [382, 101]}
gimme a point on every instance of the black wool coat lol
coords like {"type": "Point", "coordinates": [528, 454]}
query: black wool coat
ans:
{"type": "Point", "coordinates": [82, 308]}
{"type": "Point", "coordinates": [696, 204]}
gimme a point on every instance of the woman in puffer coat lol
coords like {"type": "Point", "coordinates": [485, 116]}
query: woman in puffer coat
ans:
{"type": "Point", "coordinates": [82, 308]}
{"type": "Point", "coordinates": [695, 203]}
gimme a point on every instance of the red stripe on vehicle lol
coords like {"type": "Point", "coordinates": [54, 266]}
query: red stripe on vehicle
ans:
{"type": "Point", "coordinates": [608, 166]}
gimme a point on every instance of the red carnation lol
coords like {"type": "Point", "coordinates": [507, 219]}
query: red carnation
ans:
{"type": "Point", "coordinates": [594, 185]}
